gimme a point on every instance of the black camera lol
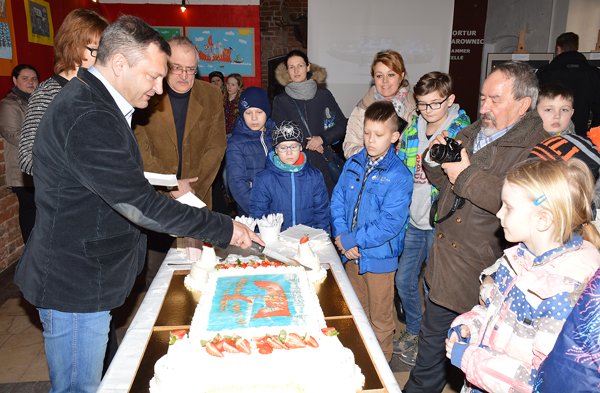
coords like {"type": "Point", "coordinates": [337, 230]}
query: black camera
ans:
{"type": "Point", "coordinates": [450, 152]}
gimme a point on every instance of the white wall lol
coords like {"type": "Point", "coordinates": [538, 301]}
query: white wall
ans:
{"type": "Point", "coordinates": [584, 20]}
{"type": "Point", "coordinates": [344, 36]}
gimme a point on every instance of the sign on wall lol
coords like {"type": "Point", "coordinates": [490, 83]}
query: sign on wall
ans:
{"type": "Point", "coordinates": [8, 48]}
{"type": "Point", "coordinates": [39, 22]}
{"type": "Point", "coordinates": [168, 32]}
{"type": "Point", "coordinates": [229, 50]}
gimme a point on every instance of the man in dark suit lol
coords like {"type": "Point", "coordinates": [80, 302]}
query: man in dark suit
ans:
{"type": "Point", "coordinates": [571, 68]}
{"type": "Point", "coordinates": [87, 247]}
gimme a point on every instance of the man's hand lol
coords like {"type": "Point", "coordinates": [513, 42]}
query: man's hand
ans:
{"type": "Point", "coordinates": [183, 187]}
{"type": "Point", "coordinates": [352, 253]}
{"type": "Point", "coordinates": [464, 333]}
{"type": "Point", "coordinates": [243, 236]}
{"type": "Point", "coordinates": [439, 140]}
{"type": "Point", "coordinates": [453, 169]}
{"type": "Point", "coordinates": [315, 143]}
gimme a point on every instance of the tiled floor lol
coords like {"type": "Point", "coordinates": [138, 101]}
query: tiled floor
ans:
{"type": "Point", "coordinates": [23, 367]}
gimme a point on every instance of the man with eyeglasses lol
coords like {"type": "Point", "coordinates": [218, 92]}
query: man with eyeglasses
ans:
{"type": "Point", "coordinates": [181, 132]}
{"type": "Point", "coordinates": [468, 236]}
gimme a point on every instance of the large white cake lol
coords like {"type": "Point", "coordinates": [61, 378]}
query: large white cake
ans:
{"type": "Point", "coordinates": [258, 305]}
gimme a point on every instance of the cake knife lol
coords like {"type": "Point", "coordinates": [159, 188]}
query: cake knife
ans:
{"type": "Point", "coordinates": [277, 256]}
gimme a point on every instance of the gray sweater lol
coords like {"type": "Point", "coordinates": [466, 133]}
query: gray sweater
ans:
{"type": "Point", "coordinates": [41, 97]}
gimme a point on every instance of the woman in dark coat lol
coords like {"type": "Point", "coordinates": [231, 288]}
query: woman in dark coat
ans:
{"type": "Point", "coordinates": [313, 108]}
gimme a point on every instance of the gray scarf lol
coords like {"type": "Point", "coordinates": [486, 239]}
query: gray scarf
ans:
{"type": "Point", "coordinates": [302, 90]}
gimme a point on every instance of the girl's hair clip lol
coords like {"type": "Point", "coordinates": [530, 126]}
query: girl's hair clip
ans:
{"type": "Point", "coordinates": [539, 200]}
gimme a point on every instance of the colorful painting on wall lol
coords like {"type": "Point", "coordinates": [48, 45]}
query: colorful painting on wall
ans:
{"type": "Point", "coordinates": [229, 50]}
{"type": "Point", "coordinates": [8, 49]}
{"type": "Point", "coordinates": [39, 22]}
{"type": "Point", "coordinates": [169, 32]}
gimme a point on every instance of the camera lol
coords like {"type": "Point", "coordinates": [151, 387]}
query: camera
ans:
{"type": "Point", "coordinates": [450, 152]}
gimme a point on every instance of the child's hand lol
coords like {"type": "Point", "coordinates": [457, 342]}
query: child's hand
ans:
{"type": "Point", "coordinates": [338, 244]}
{"type": "Point", "coordinates": [352, 253]}
{"type": "Point", "coordinates": [464, 332]}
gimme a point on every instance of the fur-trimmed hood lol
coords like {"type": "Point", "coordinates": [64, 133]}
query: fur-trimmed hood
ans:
{"type": "Point", "coordinates": [316, 72]}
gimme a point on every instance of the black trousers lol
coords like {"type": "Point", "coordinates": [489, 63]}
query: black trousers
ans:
{"type": "Point", "coordinates": [25, 195]}
{"type": "Point", "coordinates": [157, 248]}
{"type": "Point", "coordinates": [430, 372]}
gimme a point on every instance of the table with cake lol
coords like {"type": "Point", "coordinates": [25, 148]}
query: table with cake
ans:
{"type": "Point", "coordinates": [236, 321]}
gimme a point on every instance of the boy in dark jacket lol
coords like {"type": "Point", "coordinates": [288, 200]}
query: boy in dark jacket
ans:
{"type": "Point", "coordinates": [369, 213]}
{"type": "Point", "coordinates": [290, 185]}
{"type": "Point", "coordinates": [249, 145]}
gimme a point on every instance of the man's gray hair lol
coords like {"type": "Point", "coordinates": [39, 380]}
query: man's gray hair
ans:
{"type": "Point", "coordinates": [525, 83]}
{"type": "Point", "coordinates": [129, 36]}
{"type": "Point", "coordinates": [185, 42]}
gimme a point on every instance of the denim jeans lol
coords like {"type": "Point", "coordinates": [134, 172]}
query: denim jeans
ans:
{"type": "Point", "coordinates": [417, 244]}
{"type": "Point", "coordinates": [75, 347]}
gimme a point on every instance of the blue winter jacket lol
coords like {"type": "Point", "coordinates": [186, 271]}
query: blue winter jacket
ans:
{"type": "Point", "coordinates": [245, 156]}
{"type": "Point", "coordinates": [574, 363]}
{"type": "Point", "coordinates": [382, 212]}
{"type": "Point", "coordinates": [300, 196]}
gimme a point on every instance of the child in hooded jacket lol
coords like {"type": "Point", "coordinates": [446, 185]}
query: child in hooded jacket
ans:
{"type": "Point", "coordinates": [546, 208]}
{"type": "Point", "coordinates": [290, 185]}
{"type": "Point", "coordinates": [249, 145]}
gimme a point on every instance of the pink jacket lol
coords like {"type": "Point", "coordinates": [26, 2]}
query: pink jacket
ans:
{"type": "Point", "coordinates": [531, 299]}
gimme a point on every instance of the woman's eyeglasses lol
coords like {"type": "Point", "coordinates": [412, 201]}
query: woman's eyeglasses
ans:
{"type": "Point", "coordinates": [93, 51]}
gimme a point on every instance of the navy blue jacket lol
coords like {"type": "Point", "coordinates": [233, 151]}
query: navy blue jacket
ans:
{"type": "Point", "coordinates": [300, 196]}
{"type": "Point", "coordinates": [87, 247]}
{"type": "Point", "coordinates": [245, 156]}
{"type": "Point", "coordinates": [382, 212]}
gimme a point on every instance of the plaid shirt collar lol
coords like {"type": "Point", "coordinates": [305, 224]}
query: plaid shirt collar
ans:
{"type": "Point", "coordinates": [372, 164]}
{"type": "Point", "coordinates": [482, 140]}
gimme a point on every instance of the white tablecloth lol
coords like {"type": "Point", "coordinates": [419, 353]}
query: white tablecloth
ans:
{"type": "Point", "coordinates": [121, 372]}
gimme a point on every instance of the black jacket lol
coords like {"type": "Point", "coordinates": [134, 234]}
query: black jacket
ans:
{"type": "Point", "coordinates": [324, 118]}
{"type": "Point", "coordinates": [573, 71]}
{"type": "Point", "coordinates": [87, 246]}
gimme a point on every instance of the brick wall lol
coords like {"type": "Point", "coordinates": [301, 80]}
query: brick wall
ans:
{"type": "Point", "coordinates": [11, 243]}
{"type": "Point", "coordinates": [275, 40]}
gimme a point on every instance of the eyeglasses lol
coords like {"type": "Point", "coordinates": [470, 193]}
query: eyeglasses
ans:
{"type": "Point", "coordinates": [434, 106]}
{"type": "Point", "coordinates": [283, 149]}
{"type": "Point", "coordinates": [93, 51]}
{"type": "Point", "coordinates": [178, 70]}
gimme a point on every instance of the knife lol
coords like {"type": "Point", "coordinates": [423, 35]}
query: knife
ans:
{"type": "Point", "coordinates": [275, 255]}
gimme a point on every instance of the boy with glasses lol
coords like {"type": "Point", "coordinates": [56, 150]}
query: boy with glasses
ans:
{"type": "Point", "coordinates": [438, 112]}
{"type": "Point", "coordinates": [290, 185]}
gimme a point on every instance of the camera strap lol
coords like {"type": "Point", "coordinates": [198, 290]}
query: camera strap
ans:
{"type": "Point", "coordinates": [457, 204]}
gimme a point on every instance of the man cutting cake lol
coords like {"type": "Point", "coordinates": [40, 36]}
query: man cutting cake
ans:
{"type": "Point", "coordinates": [87, 246]}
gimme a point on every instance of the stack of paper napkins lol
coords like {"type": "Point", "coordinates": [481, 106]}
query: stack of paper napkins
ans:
{"type": "Point", "coordinates": [291, 237]}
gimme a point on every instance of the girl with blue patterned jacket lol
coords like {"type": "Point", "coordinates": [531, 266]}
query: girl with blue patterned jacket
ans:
{"type": "Point", "coordinates": [546, 206]}
{"type": "Point", "coordinates": [438, 113]}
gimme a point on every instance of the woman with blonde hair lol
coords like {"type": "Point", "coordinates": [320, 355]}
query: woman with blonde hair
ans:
{"type": "Point", "coordinates": [391, 84]}
{"type": "Point", "coordinates": [75, 45]}
{"type": "Point", "coordinates": [231, 98]}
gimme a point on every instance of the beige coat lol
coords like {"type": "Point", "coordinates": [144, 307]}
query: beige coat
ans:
{"type": "Point", "coordinates": [204, 140]}
{"type": "Point", "coordinates": [12, 113]}
{"type": "Point", "coordinates": [354, 131]}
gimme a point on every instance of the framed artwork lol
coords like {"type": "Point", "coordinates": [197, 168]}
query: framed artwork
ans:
{"type": "Point", "coordinates": [8, 49]}
{"type": "Point", "coordinates": [39, 22]}
{"type": "Point", "coordinates": [168, 32]}
{"type": "Point", "coordinates": [226, 49]}
{"type": "Point", "coordinates": [535, 60]}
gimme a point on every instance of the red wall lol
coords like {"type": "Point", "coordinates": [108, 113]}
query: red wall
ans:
{"type": "Point", "coordinates": [41, 56]}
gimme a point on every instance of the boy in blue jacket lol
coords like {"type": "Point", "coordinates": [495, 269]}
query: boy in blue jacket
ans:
{"type": "Point", "coordinates": [290, 185]}
{"type": "Point", "coordinates": [369, 213]}
{"type": "Point", "coordinates": [249, 145]}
